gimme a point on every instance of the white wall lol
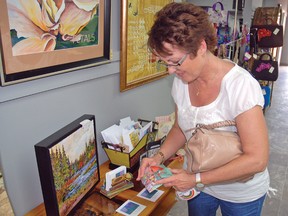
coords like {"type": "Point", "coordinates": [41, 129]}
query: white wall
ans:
{"type": "Point", "coordinates": [31, 111]}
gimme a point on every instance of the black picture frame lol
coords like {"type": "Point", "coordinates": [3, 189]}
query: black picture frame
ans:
{"type": "Point", "coordinates": [68, 165]}
{"type": "Point", "coordinates": [69, 53]}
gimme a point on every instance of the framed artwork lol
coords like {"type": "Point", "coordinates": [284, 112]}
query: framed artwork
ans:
{"type": "Point", "coordinates": [39, 39]}
{"type": "Point", "coordinates": [137, 65]}
{"type": "Point", "coordinates": [68, 165]}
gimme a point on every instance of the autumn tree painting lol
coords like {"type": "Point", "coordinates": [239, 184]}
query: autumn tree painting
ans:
{"type": "Point", "coordinates": [74, 166]}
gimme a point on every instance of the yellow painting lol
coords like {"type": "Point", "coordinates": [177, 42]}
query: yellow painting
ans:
{"type": "Point", "coordinates": [138, 65]}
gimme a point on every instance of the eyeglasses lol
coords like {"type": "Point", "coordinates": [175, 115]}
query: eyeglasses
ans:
{"type": "Point", "coordinates": [178, 64]}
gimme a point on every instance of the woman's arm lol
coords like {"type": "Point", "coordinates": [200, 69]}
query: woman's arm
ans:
{"type": "Point", "coordinates": [173, 142]}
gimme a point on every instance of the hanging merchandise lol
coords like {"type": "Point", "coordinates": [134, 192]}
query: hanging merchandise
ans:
{"type": "Point", "coordinates": [253, 40]}
{"type": "Point", "coordinates": [223, 35]}
{"type": "Point", "coordinates": [221, 51]}
{"type": "Point", "coordinates": [234, 25]}
{"type": "Point", "coordinates": [245, 36]}
{"type": "Point", "coordinates": [267, 95]}
{"type": "Point", "coordinates": [263, 13]}
{"type": "Point", "coordinates": [267, 36]}
{"type": "Point", "coordinates": [266, 32]}
{"type": "Point", "coordinates": [265, 69]}
{"type": "Point", "coordinates": [218, 16]}
{"type": "Point", "coordinates": [236, 51]}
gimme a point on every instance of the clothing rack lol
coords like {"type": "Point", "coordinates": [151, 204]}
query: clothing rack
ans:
{"type": "Point", "coordinates": [231, 49]}
{"type": "Point", "coordinates": [230, 35]}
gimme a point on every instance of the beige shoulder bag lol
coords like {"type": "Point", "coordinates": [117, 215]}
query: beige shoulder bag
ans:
{"type": "Point", "coordinates": [208, 148]}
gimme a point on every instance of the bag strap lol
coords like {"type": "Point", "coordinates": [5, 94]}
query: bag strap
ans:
{"type": "Point", "coordinates": [217, 124]}
{"type": "Point", "coordinates": [215, 5]}
{"type": "Point", "coordinates": [270, 57]}
{"type": "Point", "coordinates": [214, 125]}
{"type": "Point", "coordinates": [270, 21]}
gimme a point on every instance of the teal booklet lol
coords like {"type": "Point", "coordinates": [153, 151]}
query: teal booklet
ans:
{"type": "Point", "coordinates": [152, 174]}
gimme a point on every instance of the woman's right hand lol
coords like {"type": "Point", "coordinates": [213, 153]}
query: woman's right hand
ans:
{"type": "Point", "coordinates": [147, 162]}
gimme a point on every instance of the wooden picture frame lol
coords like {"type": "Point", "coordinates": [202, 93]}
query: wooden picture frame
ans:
{"type": "Point", "coordinates": [138, 66]}
{"type": "Point", "coordinates": [68, 38]}
{"type": "Point", "coordinates": [68, 165]}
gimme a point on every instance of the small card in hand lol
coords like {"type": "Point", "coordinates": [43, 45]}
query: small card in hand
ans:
{"type": "Point", "coordinates": [152, 174]}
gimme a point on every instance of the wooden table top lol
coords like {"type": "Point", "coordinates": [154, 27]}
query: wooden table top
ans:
{"type": "Point", "coordinates": [97, 202]}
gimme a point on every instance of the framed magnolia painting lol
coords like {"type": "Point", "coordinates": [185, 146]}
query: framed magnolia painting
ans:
{"type": "Point", "coordinates": [137, 65]}
{"type": "Point", "coordinates": [43, 38]}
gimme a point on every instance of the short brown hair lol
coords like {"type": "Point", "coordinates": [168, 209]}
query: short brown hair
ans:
{"type": "Point", "coordinates": [183, 25]}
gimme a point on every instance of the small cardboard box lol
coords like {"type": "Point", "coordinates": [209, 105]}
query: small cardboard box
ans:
{"type": "Point", "coordinates": [130, 160]}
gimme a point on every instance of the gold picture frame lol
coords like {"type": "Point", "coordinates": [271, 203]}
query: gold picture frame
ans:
{"type": "Point", "coordinates": [39, 40]}
{"type": "Point", "coordinates": [138, 66]}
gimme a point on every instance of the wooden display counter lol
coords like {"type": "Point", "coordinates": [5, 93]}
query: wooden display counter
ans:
{"type": "Point", "coordinates": [97, 202]}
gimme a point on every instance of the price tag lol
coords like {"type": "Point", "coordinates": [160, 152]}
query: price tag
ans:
{"type": "Point", "coordinates": [247, 55]}
{"type": "Point", "coordinates": [271, 69]}
{"type": "Point", "coordinates": [275, 32]}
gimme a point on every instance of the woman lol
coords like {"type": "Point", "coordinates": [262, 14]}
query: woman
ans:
{"type": "Point", "coordinates": [206, 90]}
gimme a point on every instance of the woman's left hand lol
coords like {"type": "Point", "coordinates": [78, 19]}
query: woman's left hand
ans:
{"type": "Point", "coordinates": [180, 180]}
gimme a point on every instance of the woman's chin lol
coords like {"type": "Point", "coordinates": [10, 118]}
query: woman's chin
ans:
{"type": "Point", "coordinates": [183, 78]}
